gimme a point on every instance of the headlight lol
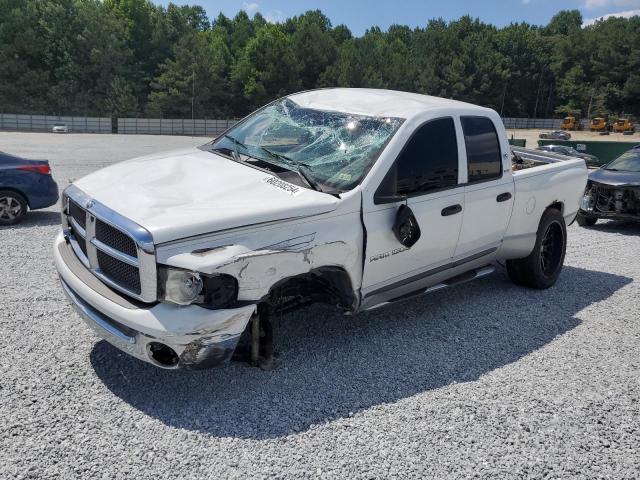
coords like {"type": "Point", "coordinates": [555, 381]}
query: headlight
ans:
{"type": "Point", "coordinates": [587, 203]}
{"type": "Point", "coordinates": [184, 287]}
{"type": "Point", "coordinates": [179, 286]}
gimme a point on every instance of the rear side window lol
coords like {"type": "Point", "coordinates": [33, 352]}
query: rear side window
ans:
{"type": "Point", "coordinates": [430, 159]}
{"type": "Point", "coordinates": [483, 149]}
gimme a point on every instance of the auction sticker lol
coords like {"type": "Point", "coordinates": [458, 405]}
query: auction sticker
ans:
{"type": "Point", "coordinates": [286, 187]}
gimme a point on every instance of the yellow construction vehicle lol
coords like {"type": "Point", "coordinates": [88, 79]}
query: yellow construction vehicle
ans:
{"type": "Point", "coordinates": [571, 123]}
{"type": "Point", "coordinates": [623, 125]}
{"type": "Point", "coordinates": [599, 124]}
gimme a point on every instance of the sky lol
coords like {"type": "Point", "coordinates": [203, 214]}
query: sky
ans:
{"type": "Point", "coordinates": [359, 15]}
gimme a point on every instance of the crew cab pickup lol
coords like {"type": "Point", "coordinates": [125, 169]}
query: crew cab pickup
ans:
{"type": "Point", "coordinates": [354, 197]}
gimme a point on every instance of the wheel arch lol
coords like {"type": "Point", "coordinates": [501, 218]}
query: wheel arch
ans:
{"type": "Point", "coordinates": [328, 284]}
{"type": "Point", "coordinates": [19, 192]}
{"type": "Point", "coordinates": [556, 205]}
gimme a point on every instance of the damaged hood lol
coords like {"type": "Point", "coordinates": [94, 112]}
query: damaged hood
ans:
{"type": "Point", "coordinates": [615, 178]}
{"type": "Point", "coordinates": [193, 192]}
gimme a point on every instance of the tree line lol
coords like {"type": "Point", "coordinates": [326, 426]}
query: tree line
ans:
{"type": "Point", "coordinates": [132, 57]}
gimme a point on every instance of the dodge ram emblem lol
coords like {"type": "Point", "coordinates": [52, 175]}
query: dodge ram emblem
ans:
{"type": "Point", "coordinates": [89, 204]}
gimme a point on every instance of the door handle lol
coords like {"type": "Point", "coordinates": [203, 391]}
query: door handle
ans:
{"type": "Point", "coordinates": [503, 197]}
{"type": "Point", "coordinates": [451, 210]}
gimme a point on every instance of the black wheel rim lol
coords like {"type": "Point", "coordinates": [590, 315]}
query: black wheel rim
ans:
{"type": "Point", "coordinates": [551, 249]}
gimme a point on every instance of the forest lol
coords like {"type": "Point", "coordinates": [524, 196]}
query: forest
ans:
{"type": "Point", "coordinates": [136, 58]}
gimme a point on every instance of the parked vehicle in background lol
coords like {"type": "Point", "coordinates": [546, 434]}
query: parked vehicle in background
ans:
{"type": "Point", "coordinates": [60, 128]}
{"type": "Point", "coordinates": [571, 123]}
{"type": "Point", "coordinates": [613, 191]}
{"type": "Point", "coordinates": [556, 135]}
{"type": "Point", "coordinates": [24, 185]}
{"type": "Point", "coordinates": [592, 160]}
{"type": "Point", "coordinates": [599, 124]}
{"type": "Point", "coordinates": [354, 197]}
{"type": "Point", "coordinates": [623, 125]}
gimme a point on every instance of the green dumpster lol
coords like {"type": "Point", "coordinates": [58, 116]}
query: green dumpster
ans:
{"type": "Point", "coordinates": [518, 142]}
{"type": "Point", "coordinates": [605, 151]}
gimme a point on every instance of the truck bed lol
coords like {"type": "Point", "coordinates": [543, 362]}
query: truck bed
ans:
{"type": "Point", "coordinates": [541, 180]}
{"type": "Point", "coordinates": [525, 158]}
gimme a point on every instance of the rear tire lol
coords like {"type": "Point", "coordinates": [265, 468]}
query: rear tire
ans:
{"type": "Point", "coordinates": [542, 267]}
{"type": "Point", "coordinates": [13, 207]}
{"type": "Point", "coordinates": [586, 221]}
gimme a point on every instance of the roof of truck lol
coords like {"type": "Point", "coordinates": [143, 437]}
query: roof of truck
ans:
{"type": "Point", "coordinates": [375, 102]}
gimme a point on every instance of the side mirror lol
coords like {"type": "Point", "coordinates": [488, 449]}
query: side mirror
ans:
{"type": "Point", "coordinates": [406, 228]}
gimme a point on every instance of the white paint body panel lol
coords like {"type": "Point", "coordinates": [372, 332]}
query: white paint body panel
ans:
{"type": "Point", "coordinates": [484, 219]}
{"type": "Point", "coordinates": [209, 214]}
{"type": "Point", "coordinates": [192, 192]}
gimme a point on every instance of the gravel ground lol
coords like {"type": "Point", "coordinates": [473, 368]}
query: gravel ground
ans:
{"type": "Point", "coordinates": [482, 380]}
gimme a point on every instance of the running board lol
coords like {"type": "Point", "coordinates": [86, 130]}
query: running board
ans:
{"type": "Point", "coordinates": [457, 280]}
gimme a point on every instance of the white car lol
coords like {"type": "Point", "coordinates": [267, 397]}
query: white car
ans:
{"type": "Point", "coordinates": [354, 197]}
{"type": "Point", "coordinates": [60, 128]}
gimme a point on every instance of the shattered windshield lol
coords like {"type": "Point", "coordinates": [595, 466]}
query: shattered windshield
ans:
{"type": "Point", "coordinates": [331, 149]}
{"type": "Point", "coordinates": [627, 162]}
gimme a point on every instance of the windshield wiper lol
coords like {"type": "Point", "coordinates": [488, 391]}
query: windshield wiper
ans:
{"type": "Point", "coordinates": [236, 142]}
{"type": "Point", "coordinates": [300, 168]}
{"type": "Point", "coordinates": [288, 160]}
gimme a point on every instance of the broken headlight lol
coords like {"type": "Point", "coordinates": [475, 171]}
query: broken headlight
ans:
{"type": "Point", "coordinates": [586, 203]}
{"type": "Point", "coordinates": [184, 287]}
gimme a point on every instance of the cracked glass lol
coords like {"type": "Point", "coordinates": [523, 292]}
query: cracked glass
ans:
{"type": "Point", "coordinates": [335, 149]}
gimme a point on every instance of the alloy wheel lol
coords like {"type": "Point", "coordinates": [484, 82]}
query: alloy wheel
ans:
{"type": "Point", "coordinates": [10, 208]}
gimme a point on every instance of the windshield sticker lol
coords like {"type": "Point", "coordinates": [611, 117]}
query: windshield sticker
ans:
{"type": "Point", "coordinates": [289, 188]}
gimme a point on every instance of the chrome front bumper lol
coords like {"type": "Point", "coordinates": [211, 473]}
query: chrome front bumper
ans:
{"type": "Point", "coordinates": [117, 335]}
{"type": "Point", "coordinates": [201, 338]}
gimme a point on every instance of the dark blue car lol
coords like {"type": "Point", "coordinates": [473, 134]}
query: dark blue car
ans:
{"type": "Point", "coordinates": [24, 185]}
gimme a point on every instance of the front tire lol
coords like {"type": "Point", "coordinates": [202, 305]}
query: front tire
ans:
{"type": "Point", "coordinates": [542, 267]}
{"type": "Point", "coordinates": [586, 221]}
{"type": "Point", "coordinates": [13, 207]}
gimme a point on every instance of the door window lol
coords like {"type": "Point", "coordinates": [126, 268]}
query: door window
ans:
{"type": "Point", "coordinates": [429, 161]}
{"type": "Point", "coordinates": [483, 149]}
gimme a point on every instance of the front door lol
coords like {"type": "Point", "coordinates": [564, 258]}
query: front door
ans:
{"type": "Point", "coordinates": [426, 173]}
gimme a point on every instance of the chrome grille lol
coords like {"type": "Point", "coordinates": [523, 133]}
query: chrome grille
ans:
{"type": "Point", "coordinates": [115, 239]}
{"type": "Point", "coordinates": [116, 250]}
{"type": "Point", "coordinates": [82, 244]}
{"type": "Point", "coordinates": [78, 214]}
{"type": "Point", "coordinates": [122, 273]}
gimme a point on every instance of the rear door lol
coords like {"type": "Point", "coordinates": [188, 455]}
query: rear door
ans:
{"type": "Point", "coordinates": [427, 173]}
{"type": "Point", "coordinates": [488, 195]}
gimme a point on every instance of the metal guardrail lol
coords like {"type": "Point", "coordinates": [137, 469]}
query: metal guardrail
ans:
{"type": "Point", "coordinates": [545, 123]}
{"type": "Point", "coordinates": [44, 123]}
{"type": "Point", "coordinates": [173, 126]}
{"type": "Point", "coordinates": [179, 126]}
{"type": "Point", "coordinates": [140, 126]}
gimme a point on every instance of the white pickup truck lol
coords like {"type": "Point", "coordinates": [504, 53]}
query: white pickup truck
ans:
{"type": "Point", "coordinates": [354, 197]}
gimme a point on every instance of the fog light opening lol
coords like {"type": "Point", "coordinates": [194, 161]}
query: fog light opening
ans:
{"type": "Point", "coordinates": [162, 355]}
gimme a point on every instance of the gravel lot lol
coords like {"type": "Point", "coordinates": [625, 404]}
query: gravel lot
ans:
{"type": "Point", "coordinates": [483, 380]}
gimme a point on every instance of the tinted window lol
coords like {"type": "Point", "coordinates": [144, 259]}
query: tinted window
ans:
{"type": "Point", "coordinates": [429, 161]}
{"type": "Point", "coordinates": [483, 149]}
